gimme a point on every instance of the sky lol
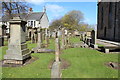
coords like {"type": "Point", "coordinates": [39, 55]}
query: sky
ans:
{"type": "Point", "coordinates": [56, 10]}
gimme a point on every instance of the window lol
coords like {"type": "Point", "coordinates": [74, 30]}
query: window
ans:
{"type": "Point", "coordinates": [28, 23]}
{"type": "Point", "coordinates": [31, 23]}
{"type": "Point", "coordinates": [34, 23]}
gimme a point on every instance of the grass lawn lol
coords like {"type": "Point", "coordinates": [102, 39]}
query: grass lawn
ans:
{"type": "Point", "coordinates": [85, 63]}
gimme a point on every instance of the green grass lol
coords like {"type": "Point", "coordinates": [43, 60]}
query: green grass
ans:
{"type": "Point", "coordinates": [85, 63]}
{"type": "Point", "coordinates": [38, 69]}
{"type": "Point", "coordinates": [100, 45]}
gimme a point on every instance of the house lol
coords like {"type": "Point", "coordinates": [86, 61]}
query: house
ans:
{"type": "Point", "coordinates": [109, 21]}
{"type": "Point", "coordinates": [34, 20]}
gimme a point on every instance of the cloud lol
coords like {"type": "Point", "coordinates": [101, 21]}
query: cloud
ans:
{"type": "Point", "coordinates": [35, 2]}
{"type": "Point", "coordinates": [55, 10]}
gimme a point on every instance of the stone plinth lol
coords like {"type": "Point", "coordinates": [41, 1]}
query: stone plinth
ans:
{"type": "Point", "coordinates": [56, 71]}
{"type": "Point", "coordinates": [17, 47]}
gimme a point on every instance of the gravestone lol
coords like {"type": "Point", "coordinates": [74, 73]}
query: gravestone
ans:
{"type": "Point", "coordinates": [63, 39]}
{"type": "Point", "coordinates": [39, 43]}
{"type": "Point", "coordinates": [93, 39]}
{"type": "Point", "coordinates": [17, 48]}
{"type": "Point", "coordinates": [57, 47]}
{"type": "Point", "coordinates": [56, 67]}
{"type": "Point", "coordinates": [32, 36]}
{"type": "Point", "coordinates": [46, 37]}
{"type": "Point", "coordinates": [29, 31]}
{"type": "Point", "coordinates": [1, 36]}
{"type": "Point", "coordinates": [39, 48]}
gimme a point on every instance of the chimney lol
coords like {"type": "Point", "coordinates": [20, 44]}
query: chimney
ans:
{"type": "Point", "coordinates": [30, 10]}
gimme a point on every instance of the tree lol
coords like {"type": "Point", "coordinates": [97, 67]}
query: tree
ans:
{"type": "Point", "coordinates": [72, 19]}
{"type": "Point", "coordinates": [9, 8]}
{"type": "Point", "coordinates": [55, 24]}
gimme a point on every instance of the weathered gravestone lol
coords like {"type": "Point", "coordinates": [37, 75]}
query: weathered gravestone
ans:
{"type": "Point", "coordinates": [56, 67]}
{"type": "Point", "coordinates": [1, 36]}
{"type": "Point", "coordinates": [17, 48]}
{"type": "Point", "coordinates": [93, 39]}
{"type": "Point", "coordinates": [63, 39]}
{"type": "Point", "coordinates": [39, 48]}
{"type": "Point", "coordinates": [34, 35]}
{"type": "Point", "coordinates": [29, 31]}
{"type": "Point", "coordinates": [39, 43]}
{"type": "Point", "coordinates": [46, 37]}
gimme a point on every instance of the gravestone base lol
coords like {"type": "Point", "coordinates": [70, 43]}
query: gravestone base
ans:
{"type": "Point", "coordinates": [56, 70]}
{"type": "Point", "coordinates": [17, 53]}
{"type": "Point", "coordinates": [13, 62]}
{"type": "Point", "coordinates": [95, 46]}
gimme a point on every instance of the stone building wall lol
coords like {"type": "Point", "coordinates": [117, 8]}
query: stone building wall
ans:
{"type": "Point", "coordinates": [108, 21]}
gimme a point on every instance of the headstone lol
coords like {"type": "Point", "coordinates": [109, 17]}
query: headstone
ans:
{"type": "Point", "coordinates": [39, 43]}
{"type": "Point", "coordinates": [32, 36]}
{"type": "Point", "coordinates": [17, 48]}
{"type": "Point", "coordinates": [29, 31]}
{"type": "Point", "coordinates": [57, 47]}
{"type": "Point", "coordinates": [1, 36]}
{"type": "Point", "coordinates": [93, 39]}
{"type": "Point", "coordinates": [56, 67]}
{"type": "Point", "coordinates": [63, 39]}
{"type": "Point", "coordinates": [46, 37]}
{"type": "Point", "coordinates": [35, 35]}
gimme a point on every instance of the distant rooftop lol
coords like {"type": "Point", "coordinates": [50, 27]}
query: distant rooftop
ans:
{"type": "Point", "coordinates": [26, 16]}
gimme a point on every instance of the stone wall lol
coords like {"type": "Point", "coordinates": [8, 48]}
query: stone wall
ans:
{"type": "Point", "coordinates": [108, 21]}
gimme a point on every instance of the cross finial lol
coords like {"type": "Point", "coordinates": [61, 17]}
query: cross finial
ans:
{"type": "Point", "coordinates": [44, 9]}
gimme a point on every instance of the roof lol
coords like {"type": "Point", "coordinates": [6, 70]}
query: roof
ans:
{"type": "Point", "coordinates": [35, 16]}
{"type": "Point", "coordinates": [30, 16]}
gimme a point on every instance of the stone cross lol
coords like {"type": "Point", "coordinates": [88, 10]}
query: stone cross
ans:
{"type": "Point", "coordinates": [17, 48]}
{"type": "Point", "coordinates": [57, 47]}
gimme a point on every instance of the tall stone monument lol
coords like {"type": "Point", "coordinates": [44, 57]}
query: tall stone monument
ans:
{"type": "Point", "coordinates": [17, 48]}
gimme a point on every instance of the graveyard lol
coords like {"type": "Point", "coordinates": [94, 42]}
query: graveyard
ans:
{"type": "Point", "coordinates": [83, 62]}
{"type": "Point", "coordinates": [66, 48]}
